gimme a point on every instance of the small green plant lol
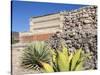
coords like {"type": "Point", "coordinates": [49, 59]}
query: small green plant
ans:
{"type": "Point", "coordinates": [66, 62]}
{"type": "Point", "coordinates": [35, 56]}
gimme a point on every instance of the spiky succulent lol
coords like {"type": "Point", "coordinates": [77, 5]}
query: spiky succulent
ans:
{"type": "Point", "coordinates": [63, 61]}
{"type": "Point", "coordinates": [34, 54]}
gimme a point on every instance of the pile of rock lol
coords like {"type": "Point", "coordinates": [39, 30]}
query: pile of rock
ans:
{"type": "Point", "coordinates": [79, 31]}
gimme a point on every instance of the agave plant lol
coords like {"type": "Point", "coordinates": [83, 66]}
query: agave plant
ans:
{"type": "Point", "coordinates": [63, 61]}
{"type": "Point", "coordinates": [35, 56]}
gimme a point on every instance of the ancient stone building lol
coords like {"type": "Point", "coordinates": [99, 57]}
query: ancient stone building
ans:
{"type": "Point", "coordinates": [41, 27]}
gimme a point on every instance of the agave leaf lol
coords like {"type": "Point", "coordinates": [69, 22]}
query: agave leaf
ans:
{"type": "Point", "coordinates": [79, 66]}
{"type": "Point", "coordinates": [54, 59]}
{"type": "Point", "coordinates": [52, 52]}
{"type": "Point", "coordinates": [62, 61]}
{"type": "Point", "coordinates": [42, 70]}
{"type": "Point", "coordinates": [65, 51]}
{"type": "Point", "coordinates": [55, 67]}
{"type": "Point", "coordinates": [70, 57]}
{"type": "Point", "coordinates": [53, 56]}
{"type": "Point", "coordinates": [47, 67]}
{"type": "Point", "coordinates": [75, 59]}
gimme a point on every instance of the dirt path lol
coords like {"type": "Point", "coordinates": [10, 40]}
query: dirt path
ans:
{"type": "Point", "coordinates": [16, 68]}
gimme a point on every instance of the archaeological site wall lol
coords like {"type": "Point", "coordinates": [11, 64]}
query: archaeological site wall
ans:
{"type": "Point", "coordinates": [80, 31]}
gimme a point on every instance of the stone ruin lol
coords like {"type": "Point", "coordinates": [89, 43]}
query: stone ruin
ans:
{"type": "Point", "coordinates": [79, 31]}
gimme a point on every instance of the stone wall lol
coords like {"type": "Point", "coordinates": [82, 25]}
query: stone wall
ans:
{"type": "Point", "coordinates": [80, 26]}
{"type": "Point", "coordinates": [79, 31]}
{"type": "Point", "coordinates": [36, 37]}
{"type": "Point", "coordinates": [45, 23]}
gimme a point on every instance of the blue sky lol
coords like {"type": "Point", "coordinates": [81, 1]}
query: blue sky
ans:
{"type": "Point", "coordinates": [22, 11]}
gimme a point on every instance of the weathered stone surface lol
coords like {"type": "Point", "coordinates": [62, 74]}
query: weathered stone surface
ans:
{"type": "Point", "coordinates": [80, 31]}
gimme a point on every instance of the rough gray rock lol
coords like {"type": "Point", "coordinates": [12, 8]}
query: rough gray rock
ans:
{"type": "Point", "coordinates": [79, 31]}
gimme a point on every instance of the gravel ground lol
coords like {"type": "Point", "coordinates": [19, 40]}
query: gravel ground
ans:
{"type": "Point", "coordinates": [16, 68]}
